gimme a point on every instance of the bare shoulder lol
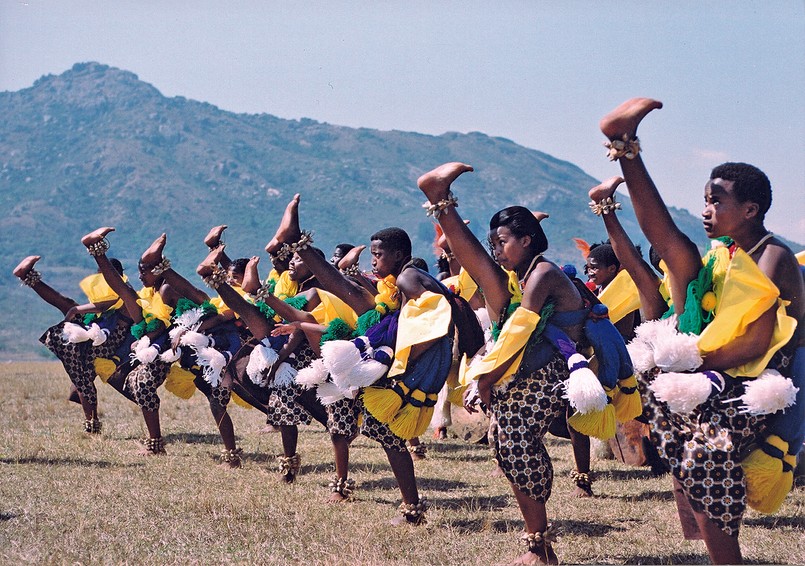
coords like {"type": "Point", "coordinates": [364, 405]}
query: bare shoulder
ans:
{"type": "Point", "coordinates": [780, 264]}
{"type": "Point", "coordinates": [413, 282]}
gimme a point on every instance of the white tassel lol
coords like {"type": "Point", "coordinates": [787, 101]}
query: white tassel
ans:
{"type": "Point", "coordinates": [582, 388]}
{"type": "Point", "coordinates": [683, 392]}
{"type": "Point", "coordinates": [189, 320]}
{"type": "Point", "coordinates": [328, 393]}
{"type": "Point", "coordinates": [97, 334]}
{"type": "Point", "coordinates": [195, 340]}
{"type": "Point", "coordinates": [143, 351]}
{"type": "Point", "coordinates": [673, 350]}
{"type": "Point", "coordinates": [169, 356]}
{"type": "Point", "coordinates": [642, 355]}
{"type": "Point", "coordinates": [313, 375]}
{"type": "Point", "coordinates": [340, 356]}
{"type": "Point", "coordinates": [362, 375]}
{"type": "Point", "coordinates": [284, 376]}
{"type": "Point", "coordinates": [213, 363]}
{"type": "Point", "coordinates": [261, 360]}
{"type": "Point", "coordinates": [768, 393]}
{"type": "Point", "coordinates": [74, 333]}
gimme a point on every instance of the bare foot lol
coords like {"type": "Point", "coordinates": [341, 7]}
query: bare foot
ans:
{"type": "Point", "coordinates": [497, 472]}
{"type": "Point", "coordinates": [336, 497]}
{"type": "Point", "coordinates": [404, 520]}
{"type": "Point", "coordinates": [436, 183]}
{"type": "Point", "coordinates": [213, 237]}
{"type": "Point", "coordinates": [268, 429]}
{"type": "Point", "coordinates": [26, 265]}
{"type": "Point", "coordinates": [352, 257]}
{"type": "Point", "coordinates": [153, 254]}
{"type": "Point", "coordinates": [96, 235]}
{"type": "Point", "coordinates": [546, 556]}
{"type": "Point", "coordinates": [605, 189]}
{"type": "Point", "coordinates": [206, 267]}
{"type": "Point", "coordinates": [233, 465]}
{"type": "Point", "coordinates": [580, 493]}
{"type": "Point", "coordinates": [539, 215]}
{"type": "Point", "coordinates": [440, 433]}
{"type": "Point", "coordinates": [624, 119]}
{"type": "Point", "coordinates": [288, 230]}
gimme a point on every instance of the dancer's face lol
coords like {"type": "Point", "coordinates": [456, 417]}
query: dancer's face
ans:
{"type": "Point", "coordinates": [297, 270]}
{"type": "Point", "coordinates": [511, 251]}
{"type": "Point", "coordinates": [600, 274]}
{"type": "Point", "coordinates": [147, 278]}
{"type": "Point", "coordinates": [384, 261]}
{"type": "Point", "coordinates": [723, 213]}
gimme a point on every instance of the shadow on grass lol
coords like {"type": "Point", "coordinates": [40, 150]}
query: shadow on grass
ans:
{"type": "Point", "coordinates": [586, 528]}
{"type": "Point", "coordinates": [194, 438]}
{"type": "Point", "coordinates": [645, 496]}
{"type": "Point", "coordinates": [79, 462]}
{"type": "Point", "coordinates": [631, 474]}
{"type": "Point", "coordinates": [675, 558]}
{"type": "Point", "coordinates": [7, 516]}
{"type": "Point", "coordinates": [772, 522]}
{"type": "Point", "coordinates": [493, 503]}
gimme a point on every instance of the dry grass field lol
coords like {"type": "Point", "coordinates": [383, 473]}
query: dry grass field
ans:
{"type": "Point", "coordinates": [66, 497]}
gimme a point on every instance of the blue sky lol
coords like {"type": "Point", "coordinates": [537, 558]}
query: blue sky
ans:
{"type": "Point", "coordinates": [731, 74]}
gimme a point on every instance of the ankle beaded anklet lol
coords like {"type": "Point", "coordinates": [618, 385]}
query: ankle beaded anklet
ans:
{"type": "Point", "coordinates": [582, 481]}
{"type": "Point", "coordinates": [98, 248]}
{"type": "Point", "coordinates": [287, 250]}
{"type": "Point", "coordinates": [155, 445]}
{"type": "Point", "coordinates": [441, 207]}
{"type": "Point", "coordinates": [216, 278]}
{"type": "Point", "coordinates": [161, 267]}
{"type": "Point", "coordinates": [414, 511]}
{"type": "Point", "coordinates": [418, 450]}
{"type": "Point", "coordinates": [606, 206]}
{"type": "Point", "coordinates": [539, 540]}
{"type": "Point", "coordinates": [343, 486]}
{"type": "Point", "coordinates": [290, 465]}
{"type": "Point", "coordinates": [351, 271]}
{"type": "Point", "coordinates": [624, 147]}
{"type": "Point", "coordinates": [92, 426]}
{"type": "Point", "coordinates": [231, 456]}
{"type": "Point", "coordinates": [31, 278]}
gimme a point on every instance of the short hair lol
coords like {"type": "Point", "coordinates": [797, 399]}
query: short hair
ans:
{"type": "Point", "coordinates": [344, 248]}
{"type": "Point", "coordinates": [655, 259]}
{"type": "Point", "coordinates": [420, 263]}
{"type": "Point", "coordinates": [394, 239]}
{"type": "Point", "coordinates": [116, 264]}
{"type": "Point", "coordinates": [238, 265]}
{"type": "Point", "coordinates": [749, 184]}
{"type": "Point", "coordinates": [604, 255]}
{"type": "Point", "coordinates": [521, 222]}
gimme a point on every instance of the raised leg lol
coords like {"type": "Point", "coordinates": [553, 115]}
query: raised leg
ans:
{"type": "Point", "coordinates": [45, 291]}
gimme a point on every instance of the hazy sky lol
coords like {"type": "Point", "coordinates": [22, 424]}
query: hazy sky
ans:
{"type": "Point", "coordinates": [541, 73]}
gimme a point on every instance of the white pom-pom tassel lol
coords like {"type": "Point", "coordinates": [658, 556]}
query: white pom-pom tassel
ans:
{"type": "Point", "coordinates": [97, 334]}
{"type": "Point", "coordinates": [143, 351]}
{"type": "Point", "coordinates": [642, 355]}
{"type": "Point", "coordinates": [683, 392]}
{"type": "Point", "coordinates": [261, 360]}
{"type": "Point", "coordinates": [675, 351]}
{"type": "Point", "coordinates": [362, 375]}
{"type": "Point", "coordinates": [169, 356]}
{"type": "Point", "coordinates": [582, 388]}
{"type": "Point", "coordinates": [768, 393]}
{"type": "Point", "coordinates": [195, 340]}
{"type": "Point", "coordinates": [284, 376]}
{"type": "Point", "coordinates": [213, 363]}
{"type": "Point", "coordinates": [312, 375]}
{"type": "Point", "coordinates": [74, 333]}
{"type": "Point", "coordinates": [189, 320]}
{"type": "Point", "coordinates": [328, 393]}
{"type": "Point", "coordinates": [340, 356]}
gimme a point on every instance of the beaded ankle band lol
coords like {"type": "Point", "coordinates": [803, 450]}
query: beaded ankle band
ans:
{"type": "Point", "coordinates": [218, 245]}
{"type": "Point", "coordinates": [155, 445]}
{"type": "Point", "coordinates": [441, 207]}
{"type": "Point", "coordinates": [262, 293]}
{"type": "Point", "coordinates": [343, 486]}
{"type": "Point", "coordinates": [216, 278]}
{"type": "Point", "coordinates": [582, 481]}
{"type": "Point", "coordinates": [624, 147]}
{"type": "Point", "coordinates": [287, 250]}
{"type": "Point", "coordinates": [418, 450]}
{"type": "Point", "coordinates": [98, 248]}
{"type": "Point", "coordinates": [290, 465]}
{"type": "Point", "coordinates": [447, 255]}
{"type": "Point", "coordinates": [161, 267]}
{"type": "Point", "coordinates": [231, 457]}
{"type": "Point", "coordinates": [351, 271]}
{"type": "Point", "coordinates": [92, 426]}
{"type": "Point", "coordinates": [606, 206]}
{"type": "Point", "coordinates": [31, 278]}
{"type": "Point", "coordinates": [537, 541]}
{"type": "Point", "coordinates": [413, 512]}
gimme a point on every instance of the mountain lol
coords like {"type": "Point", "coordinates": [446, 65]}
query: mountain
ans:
{"type": "Point", "coordinates": [96, 146]}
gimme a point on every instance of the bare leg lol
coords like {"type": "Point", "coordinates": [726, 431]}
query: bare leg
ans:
{"type": "Point", "coordinates": [251, 277]}
{"type": "Point", "coordinates": [352, 257]}
{"type": "Point", "coordinates": [680, 254]}
{"type": "Point", "coordinates": [45, 291]}
{"type": "Point", "coordinates": [722, 548]}
{"type": "Point", "coordinates": [154, 254]}
{"type": "Point", "coordinates": [581, 456]}
{"type": "Point", "coordinates": [403, 467]}
{"type": "Point", "coordinates": [341, 455]}
{"type": "Point", "coordinates": [536, 521]}
{"type": "Point", "coordinates": [112, 277]}
{"type": "Point", "coordinates": [290, 439]}
{"type": "Point", "coordinates": [469, 252]}
{"type": "Point", "coordinates": [330, 279]}
{"type": "Point", "coordinates": [213, 239]}
{"type": "Point", "coordinates": [651, 302]}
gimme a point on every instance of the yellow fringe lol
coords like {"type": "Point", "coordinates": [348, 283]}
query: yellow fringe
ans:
{"type": "Point", "coordinates": [104, 368]}
{"type": "Point", "coordinates": [382, 403]}
{"type": "Point", "coordinates": [627, 406]}
{"type": "Point", "coordinates": [180, 382]}
{"type": "Point", "coordinates": [405, 422]}
{"type": "Point", "coordinates": [766, 483]}
{"type": "Point", "coordinates": [240, 402]}
{"type": "Point", "coordinates": [598, 424]}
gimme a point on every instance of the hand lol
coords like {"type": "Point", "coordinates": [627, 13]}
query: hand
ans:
{"type": "Point", "coordinates": [177, 339]}
{"type": "Point", "coordinates": [471, 399]}
{"type": "Point", "coordinates": [286, 329]}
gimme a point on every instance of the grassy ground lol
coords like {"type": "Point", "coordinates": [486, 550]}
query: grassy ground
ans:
{"type": "Point", "coordinates": [66, 497]}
